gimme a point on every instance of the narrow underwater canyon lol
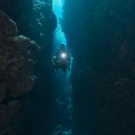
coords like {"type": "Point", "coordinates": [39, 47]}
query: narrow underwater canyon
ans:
{"type": "Point", "coordinates": [101, 36]}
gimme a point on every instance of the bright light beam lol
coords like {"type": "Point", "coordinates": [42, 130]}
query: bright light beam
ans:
{"type": "Point", "coordinates": [63, 55]}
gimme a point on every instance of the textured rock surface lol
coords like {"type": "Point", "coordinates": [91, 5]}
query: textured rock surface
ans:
{"type": "Point", "coordinates": [35, 20]}
{"type": "Point", "coordinates": [16, 73]}
{"type": "Point", "coordinates": [102, 34]}
{"type": "Point", "coordinates": [102, 102]}
{"type": "Point", "coordinates": [8, 114]}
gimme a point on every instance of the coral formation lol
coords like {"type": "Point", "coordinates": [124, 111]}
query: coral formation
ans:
{"type": "Point", "coordinates": [36, 20]}
{"type": "Point", "coordinates": [16, 73]}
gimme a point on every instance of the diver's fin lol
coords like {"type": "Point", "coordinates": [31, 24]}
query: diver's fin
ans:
{"type": "Point", "coordinates": [57, 73]}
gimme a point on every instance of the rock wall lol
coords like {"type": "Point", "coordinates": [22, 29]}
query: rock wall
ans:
{"type": "Point", "coordinates": [102, 37]}
{"type": "Point", "coordinates": [16, 74]}
{"type": "Point", "coordinates": [34, 19]}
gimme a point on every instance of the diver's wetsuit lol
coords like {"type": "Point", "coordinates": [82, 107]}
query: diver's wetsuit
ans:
{"type": "Point", "coordinates": [62, 62]}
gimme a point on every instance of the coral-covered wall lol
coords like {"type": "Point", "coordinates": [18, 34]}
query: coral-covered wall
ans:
{"type": "Point", "coordinates": [34, 19]}
{"type": "Point", "coordinates": [22, 64]}
{"type": "Point", "coordinates": [16, 73]}
{"type": "Point", "coordinates": [101, 35]}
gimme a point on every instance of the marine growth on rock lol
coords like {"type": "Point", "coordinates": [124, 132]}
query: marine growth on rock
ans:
{"type": "Point", "coordinates": [18, 55]}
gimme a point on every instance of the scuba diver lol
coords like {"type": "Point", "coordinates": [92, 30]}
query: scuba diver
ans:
{"type": "Point", "coordinates": [61, 59]}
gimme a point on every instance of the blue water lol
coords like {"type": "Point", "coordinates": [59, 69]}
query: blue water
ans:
{"type": "Point", "coordinates": [59, 36]}
{"type": "Point", "coordinates": [57, 8]}
{"type": "Point", "coordinates": [62, 83]}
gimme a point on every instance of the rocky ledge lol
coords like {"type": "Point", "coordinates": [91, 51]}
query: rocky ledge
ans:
{"type": "Point", "coordinates": [18, 54]}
